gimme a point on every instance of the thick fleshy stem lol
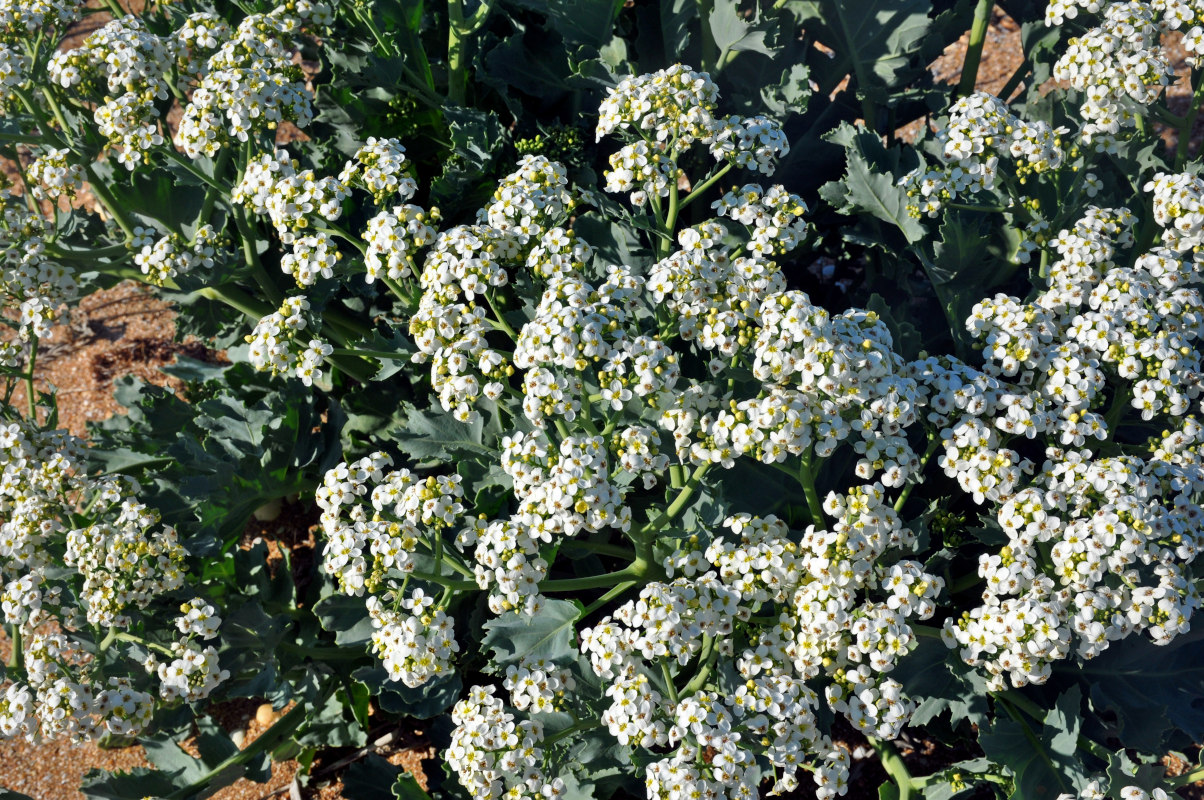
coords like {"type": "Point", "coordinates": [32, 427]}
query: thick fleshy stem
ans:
{"type": "Point", "coordinates": [892, 762]}
{"type": "Point", "coordinates": [458, 30]}
{"type": "Point", "coordinates": [267, 741]}
{"type": "Point", "coordinates": [978, 36]}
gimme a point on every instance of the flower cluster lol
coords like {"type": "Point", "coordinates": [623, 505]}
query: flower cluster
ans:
{"type": "Point", "coordinates": [249, 85]}
{"type": "Point", "coordinates": [1118, 63]}
{"type": "Point", "coordinates": [278, 345]}
{"type": "Point", "coordinates": [110, 571]}
{"type": "Point", "coordinates": [379, 168]}
{"type": "Point", "coordinates": [496, 755]}
{"type": "Point", "coordinates": [415, 643]}
{"type": "Point", "coordinates": [981, 131]}
{"type": "Point", "coordinates": [1179, 210]}
{"type": "Point", "coordinates": [1119, 531]}
{"type": "Point", "coordinates": [825, 626]}
{"type": "Point", "coordinates": [560, 492]}
{"type": "Point", "coordinates": [669, 111]}
{"type": "Point", "coordinates": [170, 256]}
{"type": "Point", "coordinates": [53, 175]}
{"type": "Point", "coordinates": [376, 553]}
{"type": "Point", "coordinates": [469, 261]}
{"type": "Point", "coordinates": [30, 279]}
{"type": "Point", "coordinates": [20, 19]}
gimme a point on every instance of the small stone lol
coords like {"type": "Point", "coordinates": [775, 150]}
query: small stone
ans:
{"type": "Point", "coordinates": [265, 714]}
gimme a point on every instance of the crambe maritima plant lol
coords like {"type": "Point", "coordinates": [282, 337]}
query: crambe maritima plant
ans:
{"type": "Point", "coordinates": [666, 433]}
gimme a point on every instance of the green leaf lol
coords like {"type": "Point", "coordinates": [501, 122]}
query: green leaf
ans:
{"type": "Point", "coordinates": [1124, 771]}
{"type": "Point", "coordinates": [405, 788]}
{"type": "Point", "coordinates": [551, 634]}
{"type": "Point", "coordinates": [345, 616]}
{"type": "Point", "coordinates": [877, 42]}
{"type": "Point", "coordinates": [370, 778]}
{"type": "Point", "coordinates": [331, 726]}
{"type": "Point", "coordinates": [1043, 762]}
{"type": "Point", "coordinates": [733, 33]}
{"type": "Point", "coordinates": [137, 784]}
{"type": "Point", "coordinates": [907, 338]}
{"type": "Point", "coordinates": [940, 685]}
{"type": "Point", "coordinates": [587, 22]}
{"type": "Point", "coordinates": [435, 436]}
{"type": "Point", "coordinates": [791, 93]}
{"type": "Point", "coordinates": [476, 135]}
{"type": "Point", "coordinates": [421, 702]}
{"type": "Point", "coordinates": [961, 253]}
{"type": "Point", "coordinates": [957, 780]}
{"type": "Point", "coordinates": [1151, 689]}
{"type": "Point", "coordinates": [871, 181]}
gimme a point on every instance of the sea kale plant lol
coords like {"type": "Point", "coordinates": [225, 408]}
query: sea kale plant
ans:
{"type": "Point", "coordinates": [675, 432]}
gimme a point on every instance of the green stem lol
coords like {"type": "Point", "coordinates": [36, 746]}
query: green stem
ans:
{"type": "Point", "coordinates": [807, 478]}
{"type": "Point", "coordinates": [237, 299]}
{"type": "Point", "coordinates": [893, 763]}
{"type": "Point", "coordinates": [251, 258]}
{"type": "Point", "coordinates": [29, 389]}
{"type": "Point", "coordinates": [378, 354]}
{"type": "Point", "coordinates": [611, 594]}
{"type": "Point", "coordinates": [349, 323]}
{"type": "Point", "coordinates": [116, 635]}
{"type": "Point", "coordinates": [35, 111]}
{"type": "Point", "coordinates": [267, 741]}
{"type": "Point", "coordinates": [14, 658]}
{"type": "Point", "coordinates": [1189, 122]}
{"type": "Point", "coordinates": [86, 255]}
{"type": "Point", "coordinates": [933, 443]}
{"type": "Point", "coordinates": [636, 570]}
{"type": "Point", "coordinates": [445, 580]}
{"type": "Point", "coordinates": [707, 184]}
{"type": "Point", "coordinates": [192, 168]}
{"type": "Point", "coordinates": [458, 30]}
{"type": "Point", "coordinates": [398, 292]}
{"type": "Point", "coordinates": [215, 191]}
{"type": "Point", "coordinates": [1017, 78]}
{"type": "Point", "coordinates": [20, 138]}
{"type": "Point", "coordinates": [669, 682]}
{"type": "Point", "coordinates": [57, 112]}
{"type": "Point", "coordinates": [501, 320]}
{"type": "Point", "coordinates": [710, 50]}
{"type": "Point", "coordinates": [978, 35]}
{"type": "Point", "coordinates": [601, 548]}
{"type": "Point", "coordinates": [678, 504]}
{"type": "Point", "coordinates": [577, 727]}
{"type": "Point", "coordinates": [1186, 778]}
{"type": "Point", "coordinates": [925, 631]}
{"type": "Point", "coordinates": [706, 658]}
{"type": "Point", "coordinates": [106, 199]}
{"type": "Point", "coordinates": [665, 245]}
{"type": "Point", "coordinates": [981, 209]}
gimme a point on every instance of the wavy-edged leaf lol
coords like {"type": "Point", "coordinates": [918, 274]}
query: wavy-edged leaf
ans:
{"type": "Point", "coordinates": [551, 634]}
{"type": "Point", "coordinates": [875, 41]}
{"type": "Point", "coordinates": [871, 181]}
{"type": "Point", "coordinates": [1151, 689]}
{"type": "Point", "coordinates": [1042, 758]}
